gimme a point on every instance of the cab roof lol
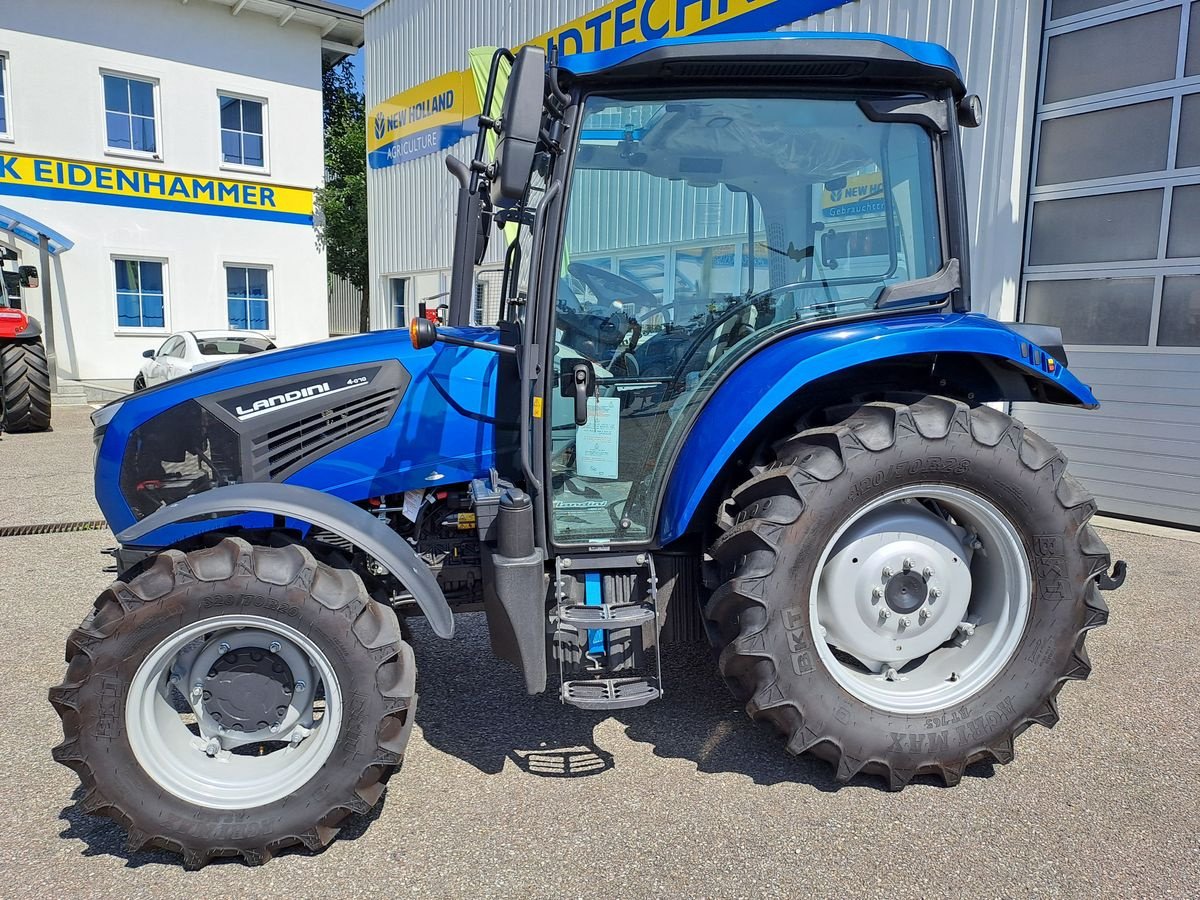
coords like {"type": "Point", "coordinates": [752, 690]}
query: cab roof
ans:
{"type": "Point", "coordinates": [874, 59]}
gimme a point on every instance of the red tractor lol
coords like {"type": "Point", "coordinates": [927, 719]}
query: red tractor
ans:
{"type": "Point", "coordinates": [24, 373]}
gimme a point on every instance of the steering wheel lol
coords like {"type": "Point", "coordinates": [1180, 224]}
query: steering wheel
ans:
{"type": "Point", "coordinates": [609, 287]}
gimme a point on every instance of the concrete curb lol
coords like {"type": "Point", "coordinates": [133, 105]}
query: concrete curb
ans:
{"type": "Point", "coordinates": [1163, 531]}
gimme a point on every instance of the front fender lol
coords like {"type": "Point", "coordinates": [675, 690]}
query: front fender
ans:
{"type": "Point", "coordinates": [770, 377]}
{"type": "Point", "coordinates": [316, 508]}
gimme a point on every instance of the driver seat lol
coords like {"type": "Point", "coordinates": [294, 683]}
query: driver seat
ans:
{"type": "Point", "coordinates": [732, 331]}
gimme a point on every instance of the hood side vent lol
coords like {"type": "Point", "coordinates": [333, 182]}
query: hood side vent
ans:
{"type": "Point", "coordinates": [276, 454]}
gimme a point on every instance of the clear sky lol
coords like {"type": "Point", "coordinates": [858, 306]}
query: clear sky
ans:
{"type": "Point", "coordinates": [358, 57]}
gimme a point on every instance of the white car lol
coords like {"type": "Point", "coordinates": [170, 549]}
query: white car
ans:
{"type": "Point", "coordinates": [187, 351]}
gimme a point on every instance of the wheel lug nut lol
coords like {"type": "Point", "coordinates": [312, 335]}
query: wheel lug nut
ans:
{"type": "Point", "coordinates": [876, 594]}
{"type": "Point", "coordinates": [905, 622]}
{"type": "Point", "coordinates": [223, 647]}
{"type": "Point", "coordinates": [935, 593]}
{"type": "Point", "coordinates": [927, 572]}
{"type": "Point", "coordinates": [908, 564]}
{"type": "Point", "coordinates": [275, 646]}
{"type": "Point", "coordinates": [887, 571]}
{"type": "Point", "coordinates": [274, 728]}
{"type": "Point", "coordinates": [884, 615]}
{"type": "Point", "coordinates": [924, 615]}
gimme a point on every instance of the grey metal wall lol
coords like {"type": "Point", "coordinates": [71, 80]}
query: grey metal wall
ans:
{"type": "Point", "coordinates": [1139, 454]}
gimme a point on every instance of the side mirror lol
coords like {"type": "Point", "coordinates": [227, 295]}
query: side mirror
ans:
{"type": "Point", "coordinates": [970, 111]}
{"type": "Point", "coordinates": [29, 276]}
{"type": "Point", "coordinates": [149, 354]}
{"type": "Point", "coordinates": [520, 126]}
{"type": "Point", "coordinates": [834, 247]}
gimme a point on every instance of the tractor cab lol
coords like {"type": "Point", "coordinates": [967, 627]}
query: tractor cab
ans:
{"type": "Point", "coordinates": [662, 229]}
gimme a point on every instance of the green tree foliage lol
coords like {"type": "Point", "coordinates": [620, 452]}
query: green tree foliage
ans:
{"type": "Point", "coordinates": [342, 203]}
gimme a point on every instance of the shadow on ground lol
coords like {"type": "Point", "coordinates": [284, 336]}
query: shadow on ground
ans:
{"type": "Point", "coordinates": [102, 836]}
{"type": "Point", "coordinates": [474, 707]}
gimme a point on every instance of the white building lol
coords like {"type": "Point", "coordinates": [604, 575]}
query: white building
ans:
{"type": "Point", "coordinates": [1083, 184]}
{"type": "Point", "coordinates": [175, 146]}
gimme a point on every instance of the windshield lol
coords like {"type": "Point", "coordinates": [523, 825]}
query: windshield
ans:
{"type": "Point", "coordinates": [696, 229]}
{"type": "Point", "coordinates": [232, 346]}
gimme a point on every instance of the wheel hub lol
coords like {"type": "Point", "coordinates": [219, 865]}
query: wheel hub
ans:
{"type": "Point", "coordinates": [249, 686]}
{"type": "Point", "coordinates": [248, 690]}
{"type": "Point", "coordinates": [906, 592]}
{"type": "Point", "coordinates": [896, 586]}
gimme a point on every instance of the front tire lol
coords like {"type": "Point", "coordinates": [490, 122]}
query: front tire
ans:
{"type": "Point", "coordinates": [234, 701]}
{"type": "Point", "coordinates": [904, 592]}
{"type": "Point", "coordinates": [25, 385]}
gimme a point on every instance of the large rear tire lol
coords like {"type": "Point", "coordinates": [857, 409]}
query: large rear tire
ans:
{"type": "Point", "coordinates": [234, 701]}
{"type": "Point", "coordinates": [25, 385]}
{"type": "Point", "coordinates": [904, 592]}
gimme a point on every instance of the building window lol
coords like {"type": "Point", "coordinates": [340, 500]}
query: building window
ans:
{"type": "Point", "coordinates": [141, 296]}
{"type": "Point", "coordinates": [398, 290]}
{"type": "Point", "coordinates": [129, 118]}
{"type": "Point", "coordinates": [5, 115]}
{"type": "Point", "coordinates": [248, 295]}
{"type": "Point", "coordinates": [242, 131]}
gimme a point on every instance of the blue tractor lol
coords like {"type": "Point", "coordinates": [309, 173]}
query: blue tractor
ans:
{"type": "Point", "coordinates": [735, 392]}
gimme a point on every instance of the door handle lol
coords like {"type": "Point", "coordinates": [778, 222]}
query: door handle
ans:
{"type": "Point", "coordinates": [580, 376]}
{"type": "Point", "coordinates": [578, 381]}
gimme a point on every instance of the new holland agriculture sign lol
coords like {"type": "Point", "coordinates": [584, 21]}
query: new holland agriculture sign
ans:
{"type": "Point", "coordinates": [439, 113]}
{"type": "Point", "coordinates": [51, 178]}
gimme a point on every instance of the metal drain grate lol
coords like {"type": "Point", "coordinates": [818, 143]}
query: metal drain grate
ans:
{"type": "Point", "coordinates": [52, 528]}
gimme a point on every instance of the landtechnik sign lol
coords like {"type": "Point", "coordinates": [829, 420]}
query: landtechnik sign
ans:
{"type": "Point", "coordinates": [441, 112]}
{"type": "Point", "coordinates": [50, 178]}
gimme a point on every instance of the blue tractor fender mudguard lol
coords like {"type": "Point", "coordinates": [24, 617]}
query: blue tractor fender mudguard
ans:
{"type": "Point", "coordinates": [763, 382]}
{"type": "Point", "coordinates": [321, 510]}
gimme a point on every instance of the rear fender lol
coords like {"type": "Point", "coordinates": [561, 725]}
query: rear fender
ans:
{"type": "Point", "coordinates": [324, 511]}
{"type": "Point", "coordinates": [774, 381]}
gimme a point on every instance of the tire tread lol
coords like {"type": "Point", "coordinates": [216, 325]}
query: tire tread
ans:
{"type": "Point", "coordinates": [763, 505]}
{"type": "Point", "coordinates": [375, 627]}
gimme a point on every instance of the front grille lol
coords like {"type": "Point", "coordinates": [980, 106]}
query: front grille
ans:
{"type": "Point", "coordinates": [278, 453]}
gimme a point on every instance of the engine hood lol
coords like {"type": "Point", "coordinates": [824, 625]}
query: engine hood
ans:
{"type": "Point", "coordinates": [356, 417]}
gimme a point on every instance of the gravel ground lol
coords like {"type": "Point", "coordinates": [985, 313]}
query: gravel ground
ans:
{"type": "Point", "coordinates": [683, 798]}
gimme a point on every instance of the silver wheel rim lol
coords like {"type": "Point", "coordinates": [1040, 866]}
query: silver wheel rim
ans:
{"type": "Point", "coordinates": [166, 696]}
{"type": "Point", "coordinates": [921, 598]}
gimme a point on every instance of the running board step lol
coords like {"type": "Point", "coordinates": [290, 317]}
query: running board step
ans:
{"type": "Point", "coordinates": [610, 693]}
{"type": "Point", "coordinates": [624, 615]}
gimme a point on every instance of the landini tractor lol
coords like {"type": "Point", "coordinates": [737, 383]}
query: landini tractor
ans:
{"type": "Point", "coordinates": [735, 392]}
{"type": "Point", "coordinates": [24, 373]}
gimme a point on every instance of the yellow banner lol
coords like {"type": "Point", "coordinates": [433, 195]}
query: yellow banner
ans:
{"type": "Point", "coordinates": [439, 113]}
{"type": "Point", "coordinates": [445, 101]}
{"type": "Point", "coordinates": [861, 195]}
{"type": "Point", "coordinates": [52, 178]}
{"type": "Point", "coordinates": [630, 21]}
